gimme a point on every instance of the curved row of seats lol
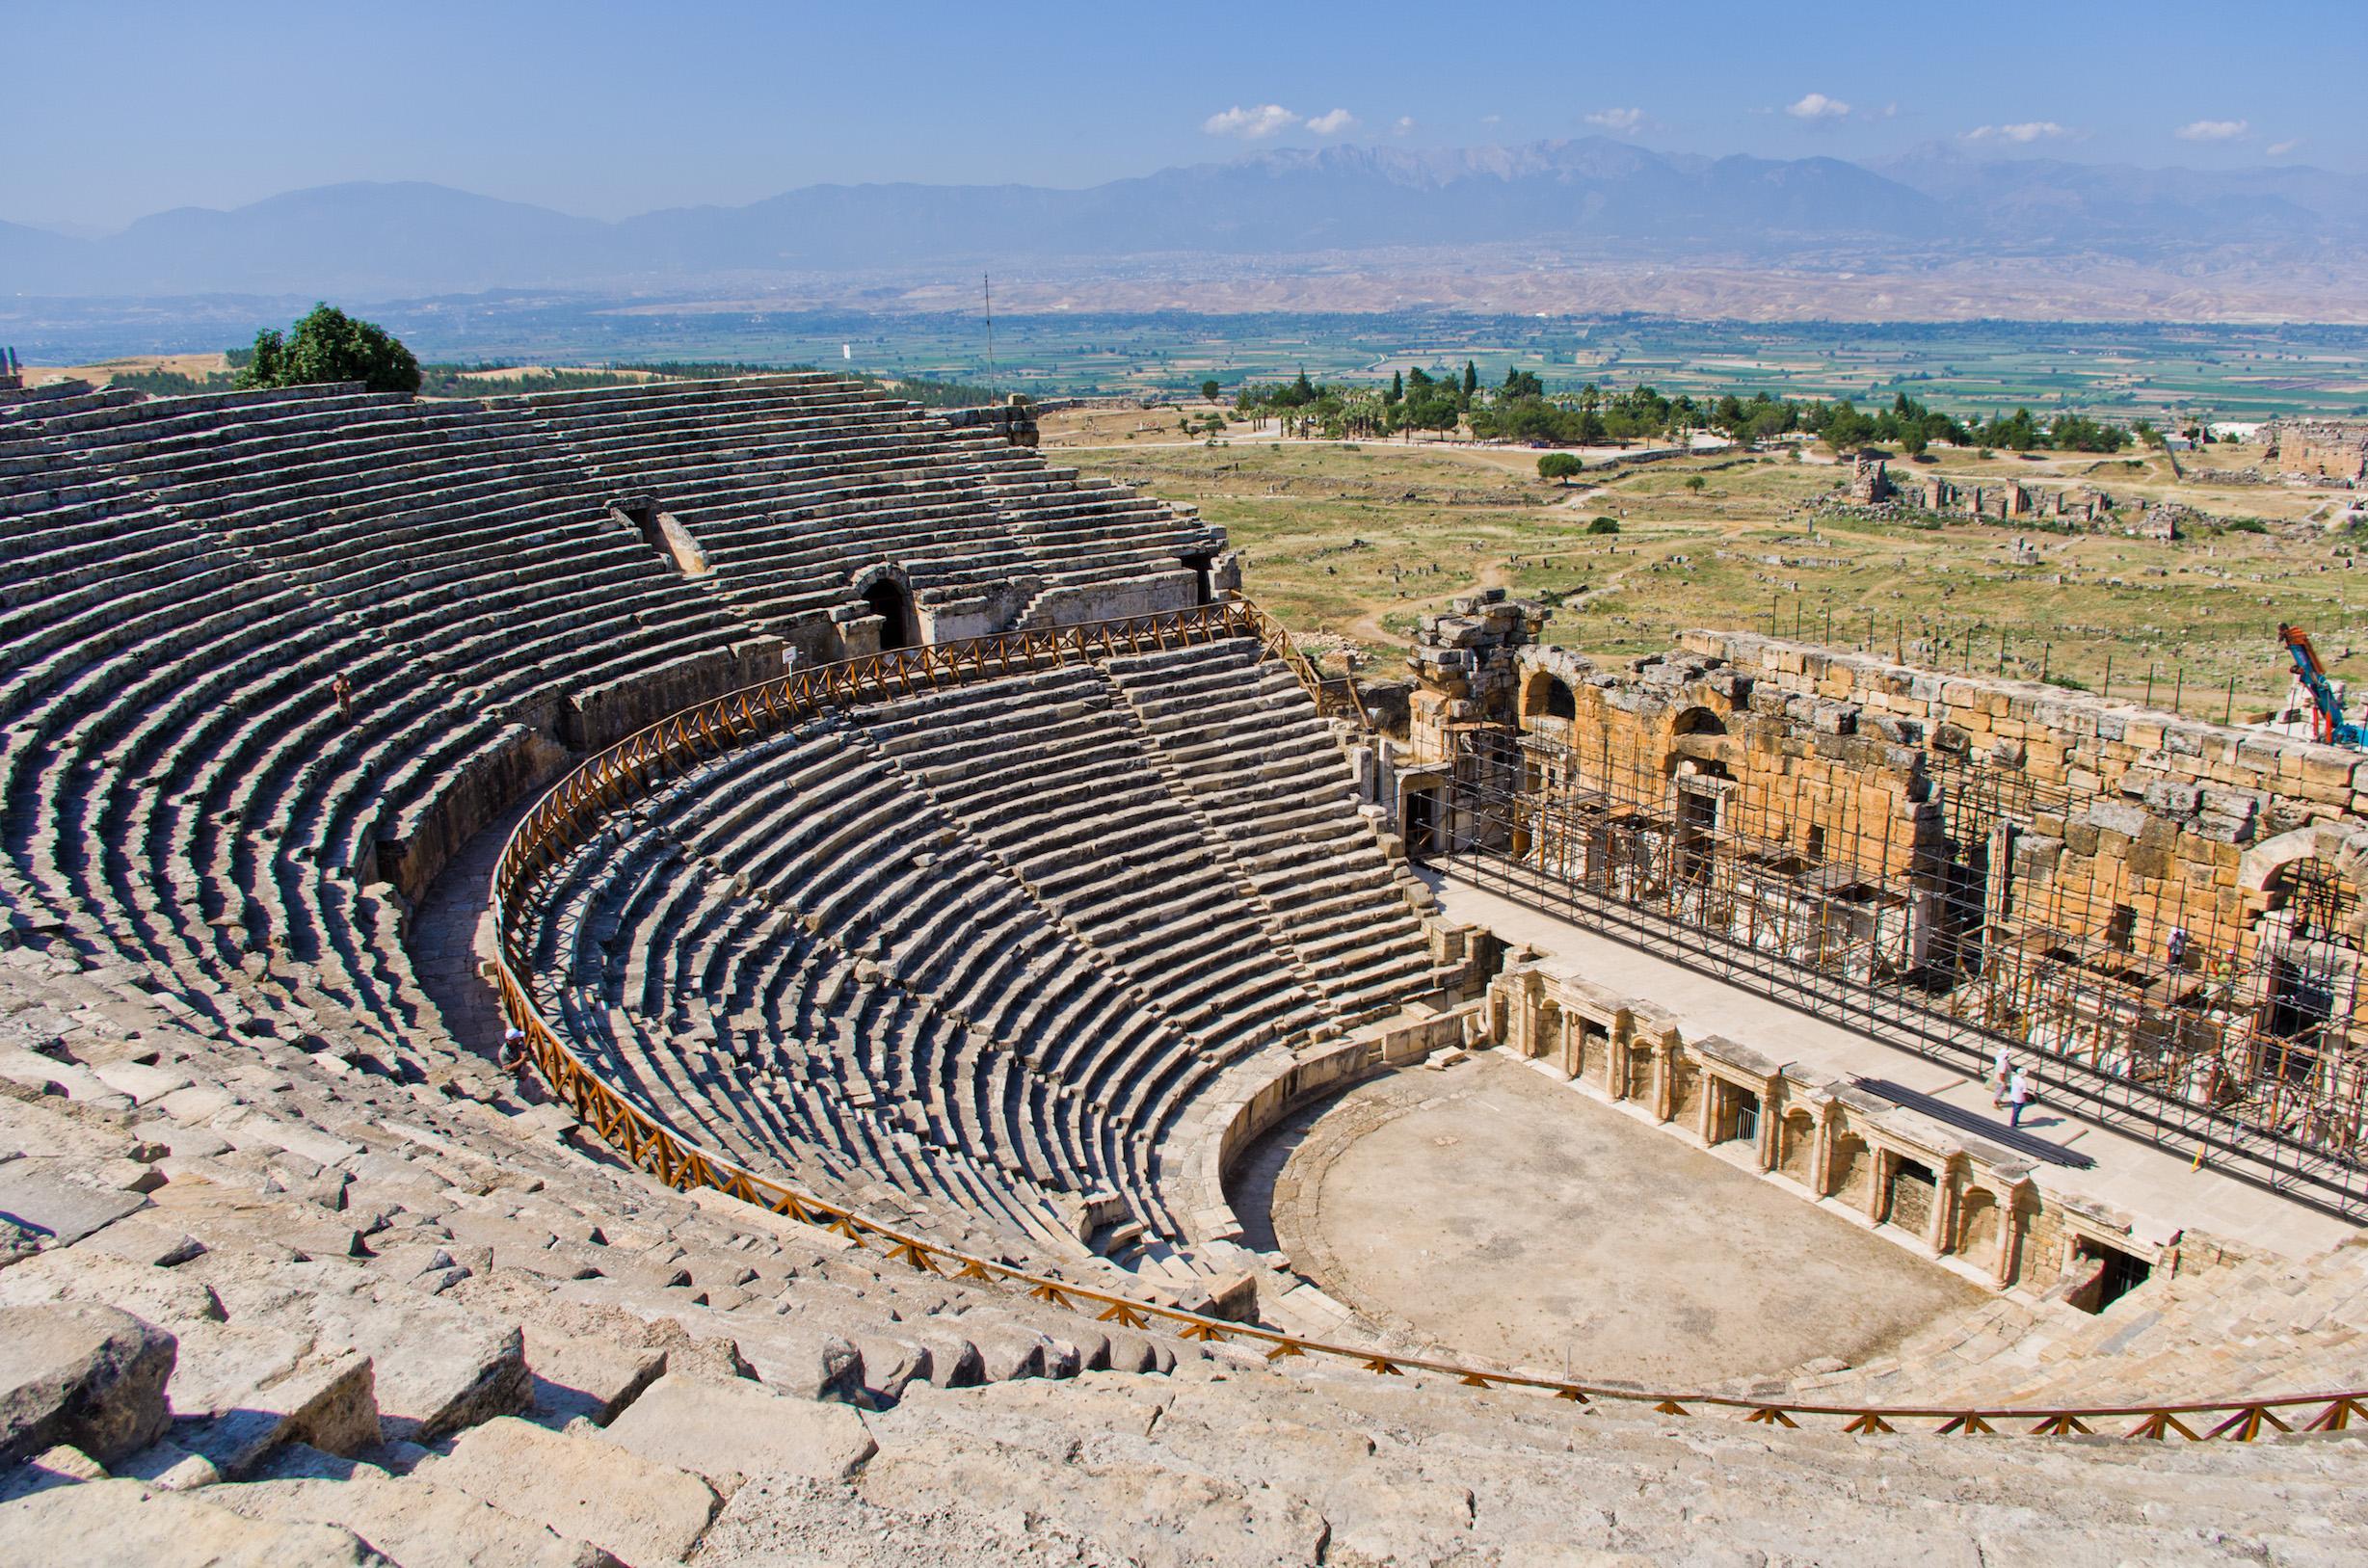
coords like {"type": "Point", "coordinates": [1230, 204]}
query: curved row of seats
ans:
{"type": "Point", "coordinates": [792, 484]}
{"type": "Point", "coordinates": [1013, 926]}
{"type": "Point", "coordinates": [992, 1023]}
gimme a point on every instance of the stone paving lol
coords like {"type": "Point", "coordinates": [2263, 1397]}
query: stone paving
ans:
{"type": "Point", "coordinates": [1486, 1206]}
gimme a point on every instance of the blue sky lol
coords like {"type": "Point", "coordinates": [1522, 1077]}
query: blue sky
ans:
{"type": "Point", "coordinates": [608, 109]}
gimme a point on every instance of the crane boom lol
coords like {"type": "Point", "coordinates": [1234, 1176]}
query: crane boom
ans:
{"type": "Point", "coordinates": [2327, 723]}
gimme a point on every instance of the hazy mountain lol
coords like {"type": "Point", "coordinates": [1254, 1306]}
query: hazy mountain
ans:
{"type": "Point", "coordinates": [2125, 207]}
{"type": "Point", "coordinates": [1590, 197]}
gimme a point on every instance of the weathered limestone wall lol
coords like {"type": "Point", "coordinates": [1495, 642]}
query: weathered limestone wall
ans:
{"type": "Point", "coordinates": [2321, 449]}
{"type": "Point", "coordinates": [1015, 419]}
{"type": "Point", "coordinates": [1950, 1195]}
{"type": "Point", "coordinates": [2186, 824]}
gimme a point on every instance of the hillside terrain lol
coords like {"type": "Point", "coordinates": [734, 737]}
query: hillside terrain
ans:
{"type": "Point", "coordinates": [1355, 540]}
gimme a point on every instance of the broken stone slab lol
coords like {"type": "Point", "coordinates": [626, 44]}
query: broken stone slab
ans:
{"type": "Point", "coordinates": [81, 1373]}
{"type": "Point", "coordinates": [330, 1404]}
{"type": "Point", "coordinates": [440, 1367]}
{"type": "Point", "coordinates": [731, 1432]}
{"type": "Point", "coordinates": [62, 1466]}
{"type": "Point", "coordinates": [587, 1375]}
{"type": "Point", "coordinates": [417, 1522]}
{"type": "Point", "coordinates": [582, 1487]}
{"type": "Point", "coordinates": [104, 1522]}
{"type": "Point", "coordinates": [41, 1197]}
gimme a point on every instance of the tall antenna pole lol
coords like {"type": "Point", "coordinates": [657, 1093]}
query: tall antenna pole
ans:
{"type": "Point", "coordinates": [986, 285]}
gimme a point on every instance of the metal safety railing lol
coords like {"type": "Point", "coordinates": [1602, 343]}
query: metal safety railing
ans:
{"type": "Point", "coordinates": [568, 817]}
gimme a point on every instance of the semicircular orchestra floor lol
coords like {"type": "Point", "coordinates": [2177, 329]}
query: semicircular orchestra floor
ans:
{"type": "Point", "coordinates": [1491, 1209]}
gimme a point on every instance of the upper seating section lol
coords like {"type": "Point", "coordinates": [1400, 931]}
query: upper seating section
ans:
{"type": "Point", "coordinates": [796, 485]}
{"type": "Point", "coordinates": [182, 581]}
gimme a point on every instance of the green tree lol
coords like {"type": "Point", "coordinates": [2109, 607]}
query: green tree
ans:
{"type": "Point", "coordinates": [1604, 525]}
{"type": "Point", "coordinates": [1694, 482]}
{"type": "Point", "coordinates": [328, 345]}
{"type": "Point", "coordinates": [1558, 466]}
{"type": "Point", "coordinates": [1472, 379]}
{"type": "Point", "coordinates": [1397, 389]}
{"type": "Point", "coordinates": [1210, 390]}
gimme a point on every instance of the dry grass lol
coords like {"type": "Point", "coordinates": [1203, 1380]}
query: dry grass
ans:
{"type": "Point", "coordinates": [1357, 540]}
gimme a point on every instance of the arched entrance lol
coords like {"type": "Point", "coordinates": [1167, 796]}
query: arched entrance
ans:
{"type": "Point", "coordinates": [893, 602]}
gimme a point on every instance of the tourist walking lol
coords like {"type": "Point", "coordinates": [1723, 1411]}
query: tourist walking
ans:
{"type": "Point", "coordinates": [2001, 1070]}
{"type": "Point", "coordinates": [2018, 1095]}
{"type": "Point", "coordinates": [342, 689]}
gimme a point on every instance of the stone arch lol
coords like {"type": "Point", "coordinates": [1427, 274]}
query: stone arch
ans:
{"type": "Point", "coordinates": [1697, 721]}
{"type": "Point", "coordinates": [1548, 696]}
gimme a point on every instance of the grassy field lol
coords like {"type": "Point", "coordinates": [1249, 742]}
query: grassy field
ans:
{"type": "Point", "coordinates": [1353, 541]}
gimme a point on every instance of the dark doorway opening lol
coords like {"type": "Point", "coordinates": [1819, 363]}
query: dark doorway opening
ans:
{"type": "Point", "coordinates": [1422, 823]}
{"type": "Point", "coordinates": [2117, 1275]}
{"type": "Point", "coordinates": [1204, 579]}
{"type": "Point", "coordinates": [893, 602]}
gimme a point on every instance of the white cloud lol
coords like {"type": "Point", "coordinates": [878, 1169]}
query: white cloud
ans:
{"type": "Point", "coordinates": [2023, 131]}
{"type": "Point", "coordinates": [1618, 121]}
{"type": "Point", "coordinates": [1492, 119]}
{"type": "Point", "coordinates": [2278, 149]}
{"type": "Point", "coordinates": [1404, 126]}
{"type": "Point", "coordinates": [2213, 130]}
{"type": "Point", "coordinates": [1250, 125]}
{"type": "Point", "coordinates": [1816, 106]}
{"type": "Point", "coordinates": [1333, 124]}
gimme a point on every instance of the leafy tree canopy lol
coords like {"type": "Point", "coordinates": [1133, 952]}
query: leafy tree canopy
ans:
{"type": "Point", "coordinates": [328, 345]}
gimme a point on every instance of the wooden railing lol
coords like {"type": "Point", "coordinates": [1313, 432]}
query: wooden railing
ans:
{"type": "Point", "coordinates": [570, 814]}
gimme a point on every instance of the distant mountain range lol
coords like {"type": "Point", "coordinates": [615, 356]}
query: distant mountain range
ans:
{"type": "Point", "coordinates": [1575, 199]}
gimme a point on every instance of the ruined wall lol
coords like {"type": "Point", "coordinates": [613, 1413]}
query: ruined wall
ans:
{"type": "Point", "coordinates": [2321, 449]}
{"type": "Point", "coordinates": [2186, 824]}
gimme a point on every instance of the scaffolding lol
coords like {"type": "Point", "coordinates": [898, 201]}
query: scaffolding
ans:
{"type": "Point", "coordinates": [1933, 907]}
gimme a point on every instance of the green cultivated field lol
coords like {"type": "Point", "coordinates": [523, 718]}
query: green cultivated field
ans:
{"type": "Point", "coordinates": [2229, 372]}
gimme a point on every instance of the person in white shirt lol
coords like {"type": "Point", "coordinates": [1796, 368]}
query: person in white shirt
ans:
{"type": "Point", "coordinates": [2018, 1095]}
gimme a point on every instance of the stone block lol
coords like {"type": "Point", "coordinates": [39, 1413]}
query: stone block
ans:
{"type": "Point", "coordinates": [43, 1197]}
{"type": "Point", "coordinates": [330, 1404]}
{"type": "Point", "coordinates": [587, 1375]}
{"type": "Point", "coordinates": [84, 1375]}
{"type": "Point", "coordinates": [584, 1487]}
{"type": "Point", "coordinates": [115, 1521]}
{"type": "Point", "coordinates": [730, 1431]}
{"type": "Point", "coordinates": [416, 1522]}
{"type": "Point", "coordinates": [439, 1367]}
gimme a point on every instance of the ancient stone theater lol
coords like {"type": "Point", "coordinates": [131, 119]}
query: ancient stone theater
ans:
{"type": "Point", "coordinates": [741, 971]}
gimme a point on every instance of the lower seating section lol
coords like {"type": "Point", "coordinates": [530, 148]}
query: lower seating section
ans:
{"type": "Point", "coordinates": [980, 943]}
{"type": "Point", "coordinates": [1238, 733]}
{"type": "Point", "coordinates": [412, 1328]}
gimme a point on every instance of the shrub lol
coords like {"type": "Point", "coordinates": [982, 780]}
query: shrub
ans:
{"type": "Point", "coordinates": [328, 345]}
{"type": "Point", "coordinates": [1604, 525]}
